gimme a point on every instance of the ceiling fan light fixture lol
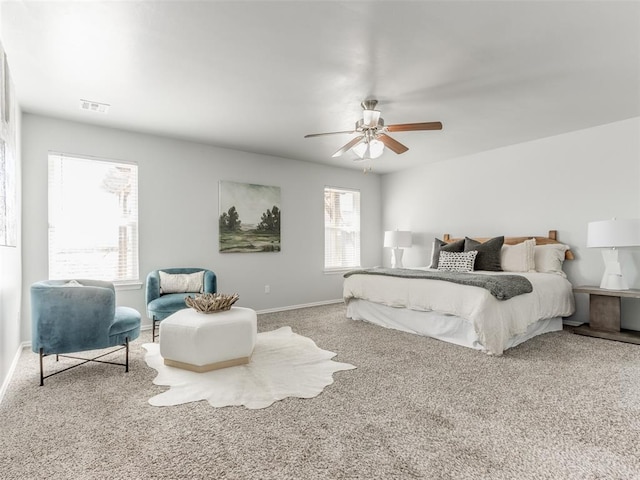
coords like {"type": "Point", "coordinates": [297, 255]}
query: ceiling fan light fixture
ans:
{"type": "Point", "coordinates": [371, 149]}
{"type": "Point", "coordinates": [370, 118]}
{"type": "Point", "coordinates": [360, 149]}
{"type": "Point", "coordinates": [376, 147]}
{"type": "Point", "coordinates": [372, 134]}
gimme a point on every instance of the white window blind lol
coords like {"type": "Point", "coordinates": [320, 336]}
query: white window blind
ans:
{"type": "Point", "coordinates": [93, 219]}
{"type": "Point", "coordinates": [341, 228]}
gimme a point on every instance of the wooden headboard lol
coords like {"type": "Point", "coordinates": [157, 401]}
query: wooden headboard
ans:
{"type": "Point", "coordinates": [551, 238]}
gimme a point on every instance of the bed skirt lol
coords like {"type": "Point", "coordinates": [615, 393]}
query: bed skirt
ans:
{"type": "Point", "coordinates": [448, 328]}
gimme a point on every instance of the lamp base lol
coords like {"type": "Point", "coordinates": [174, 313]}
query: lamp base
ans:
{"type": "Point", "coordinates": [612, 278]}
{"type": "Point", "coordinates": [396, 257]}
{"type": "Point", "coordinates": [614, 282]}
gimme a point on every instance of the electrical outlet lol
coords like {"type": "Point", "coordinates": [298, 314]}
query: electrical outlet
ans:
{"type": "Point", "coordinates": [267, 289]}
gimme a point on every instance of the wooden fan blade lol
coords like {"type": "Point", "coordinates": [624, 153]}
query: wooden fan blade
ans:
{"type": "Point", "coordinates": [349, 146]}
{"type": "Point", "coordinates": [392, 144]}
{"type": "Point", "coordinates": [411, 127]}
{"type": "Point", "coordinates": [327, 133]}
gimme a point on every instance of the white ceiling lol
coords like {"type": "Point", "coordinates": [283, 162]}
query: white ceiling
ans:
{"type": "Point", "coordinates": [259, 75]}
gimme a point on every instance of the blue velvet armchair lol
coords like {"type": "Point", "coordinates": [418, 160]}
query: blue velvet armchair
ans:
{"type": "Point", "coordinates": [160, 305]}
{"type": "Point", "coordinates": [79, 315]}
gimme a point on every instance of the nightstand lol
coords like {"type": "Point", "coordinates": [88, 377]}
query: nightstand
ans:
{"type": "Point", "coordinates": [604, 314]}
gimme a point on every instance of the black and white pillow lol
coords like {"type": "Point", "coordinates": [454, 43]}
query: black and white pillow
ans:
{"type": "Point", "coordinates": [457, 261]}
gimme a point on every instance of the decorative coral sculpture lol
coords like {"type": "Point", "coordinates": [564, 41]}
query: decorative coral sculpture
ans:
{"type": "Point", "coordinates": [211, 302]}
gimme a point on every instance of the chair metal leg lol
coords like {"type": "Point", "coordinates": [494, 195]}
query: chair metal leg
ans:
{"type": "Point", "coordinates": [85, 360]}
{"type": "Point", "coordinates": [41, 373]}
{"type": "Point", "coordinates": [126, 369]}
{"type": "Point", "coordinates": [153, 329]}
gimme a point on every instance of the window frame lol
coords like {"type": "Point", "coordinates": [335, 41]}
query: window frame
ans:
{"type": "Point", "coordinates": [127, 282]}
{"type": "Point", "coordinates": [358, 263]}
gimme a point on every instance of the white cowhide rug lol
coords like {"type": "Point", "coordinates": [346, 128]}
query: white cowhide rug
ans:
{"type": "Point", "coordinates": [284, 364]}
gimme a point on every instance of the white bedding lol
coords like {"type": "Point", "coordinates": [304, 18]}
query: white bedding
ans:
{"type": "Point", "coordinates": [494, 321]}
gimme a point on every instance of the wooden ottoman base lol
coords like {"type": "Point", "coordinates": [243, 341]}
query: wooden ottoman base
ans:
{"type": "Point", "coordinates": [207, 368]}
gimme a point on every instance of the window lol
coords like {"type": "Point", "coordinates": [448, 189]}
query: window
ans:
{"type": "Point", "coordinates": [341, 228]}
{"type": "Point", "coordinates": [93, 219]}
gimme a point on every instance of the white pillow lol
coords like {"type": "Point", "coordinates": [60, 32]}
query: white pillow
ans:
{"type": "Point", "coordinates": [457, 261]}
{"type": "Point", "coordinates": [518, 257]}
{"type": "Point", "coordinates": [181, 282]}
{"type": "Point", "coordinates": [433, 247]}
{"type": "Point", "coordinates": [549, 258]}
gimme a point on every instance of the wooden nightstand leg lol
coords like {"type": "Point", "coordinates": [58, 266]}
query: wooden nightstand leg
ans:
{"type": "Point", "coordinates": [604, 313]}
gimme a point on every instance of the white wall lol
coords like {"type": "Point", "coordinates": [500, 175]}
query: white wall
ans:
{"type": "Point", "coordinates": [10, 288]}
{"type": "Point", "coordinates": [10, 262]}
{"type": "Point", "coordinates": [178, 212]}
{"type": "Point", "coordinates": [558, 183]}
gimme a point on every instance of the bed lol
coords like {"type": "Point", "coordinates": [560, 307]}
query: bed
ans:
{"type": "Point", "coordinates": [450, 306]}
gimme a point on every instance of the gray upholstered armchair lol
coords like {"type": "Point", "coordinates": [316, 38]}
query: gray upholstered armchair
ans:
{"type": "Point", "coordinates": [78, 315]}
{"type": "Point", "coordinates": [163, 300]}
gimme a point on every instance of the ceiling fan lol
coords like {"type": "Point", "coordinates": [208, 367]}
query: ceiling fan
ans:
{"type": "Point", "coordinates": [372, 133]}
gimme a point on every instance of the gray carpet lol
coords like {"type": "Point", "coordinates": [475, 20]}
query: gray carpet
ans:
{"type": "Point", "coordinates": [559, 406]}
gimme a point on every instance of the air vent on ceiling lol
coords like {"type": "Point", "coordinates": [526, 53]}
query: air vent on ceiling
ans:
{"type": "Point", "coordinates": [94, 106]}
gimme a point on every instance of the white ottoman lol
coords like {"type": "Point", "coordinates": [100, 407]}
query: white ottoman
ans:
{"type": "Point", "coordinates": [201, 342]}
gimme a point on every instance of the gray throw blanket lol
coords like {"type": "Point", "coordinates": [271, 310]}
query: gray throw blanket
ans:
{"type": "Point", "coordinates": [503, 287]}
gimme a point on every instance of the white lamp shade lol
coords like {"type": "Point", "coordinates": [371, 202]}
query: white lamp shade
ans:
{"type": "Point", "coordinates": [614, 233]}
{"type": "Point", "coordinates": [370, 117]}
{"type": "Point", "coordinates": [371, 149]}
{"type": "Point", "coordinates": [397, 239]}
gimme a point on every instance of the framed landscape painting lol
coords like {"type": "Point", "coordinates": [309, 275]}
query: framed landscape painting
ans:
{"type": "Point", "coordinates": [249, 218]}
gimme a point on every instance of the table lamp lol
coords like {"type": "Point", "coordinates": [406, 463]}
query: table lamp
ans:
{"type": "Point", "coordinates": [611, 235]}
{"type": "Point", "coordinates": [397, 240]}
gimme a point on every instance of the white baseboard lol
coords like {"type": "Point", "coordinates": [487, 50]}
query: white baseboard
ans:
{"type": "Point", "coordinates": [12, 368]}
{"type": "Point", "coordinates": [304, 305]}
{"type": "Point", "coordinates": [572, 323]}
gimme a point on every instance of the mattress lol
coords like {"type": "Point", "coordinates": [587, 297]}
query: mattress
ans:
{"type": "Point", "coordinates": [493, 324]}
